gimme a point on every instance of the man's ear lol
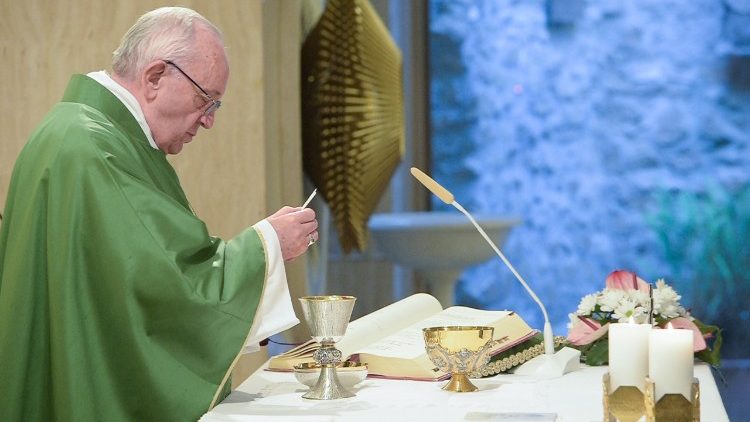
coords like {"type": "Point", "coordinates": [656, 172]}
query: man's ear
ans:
{"type": "Point", "coordinates": [151, 78]}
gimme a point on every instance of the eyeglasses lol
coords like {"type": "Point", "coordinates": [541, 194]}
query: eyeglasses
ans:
{"type": "Point", "coordinates": [215, 104]}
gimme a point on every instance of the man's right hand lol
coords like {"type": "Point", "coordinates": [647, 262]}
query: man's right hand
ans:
{"type": "Point", "coordinates": [295, 228]}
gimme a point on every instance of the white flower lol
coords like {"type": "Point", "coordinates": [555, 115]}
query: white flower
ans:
{"type": "Point", "coordinates": [667, 291]}
{"type": "Point", "coordinates": [623, 304]}
{"type": "Point", "coordinates": [610, 299]}
{"type": "Point", "coordinates": [587, 305]}
{"type": "Point", "coordinates": [640, 298]}
{"type": "Point", "coordinates": [627, 309]}
{"type": "Point", "coordinates": [666, 301]}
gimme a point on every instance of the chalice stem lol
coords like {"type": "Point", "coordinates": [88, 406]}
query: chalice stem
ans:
{"type": "Point", "coordinates": [460, 383]}
{"type": "Point", "coordinates": [328, 386]}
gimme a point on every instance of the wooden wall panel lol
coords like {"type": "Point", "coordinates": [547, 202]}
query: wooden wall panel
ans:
{"type": "Point", "coordinates": [42, 43]}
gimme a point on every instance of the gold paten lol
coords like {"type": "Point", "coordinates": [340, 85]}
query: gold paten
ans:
{"type": "Point", "coordinates": [352, 113]}
{"type": "Point", "coordinates": [626, 404]}
{"type": "Point", "coordinates": [673, 407]}
{"type": "Point", "coordinates": [459, 350]}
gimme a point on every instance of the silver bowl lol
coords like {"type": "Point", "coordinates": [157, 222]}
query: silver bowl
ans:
{"type": "Point", "coordinates": [349, 373]}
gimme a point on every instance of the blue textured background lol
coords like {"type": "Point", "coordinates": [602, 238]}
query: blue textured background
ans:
{"type": "Point", "coordinates": [592, 122]}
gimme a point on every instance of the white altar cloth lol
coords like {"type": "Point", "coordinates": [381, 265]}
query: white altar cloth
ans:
{"type": "Point", "coordinates": [575, 397]}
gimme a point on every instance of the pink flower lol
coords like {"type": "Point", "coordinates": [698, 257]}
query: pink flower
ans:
{"type": "Point", "coordinates": [626, 280]}
{"type": "Point", "coordinates": [699, 343]}
{"type": "Point", "coordinates": [585, 331]}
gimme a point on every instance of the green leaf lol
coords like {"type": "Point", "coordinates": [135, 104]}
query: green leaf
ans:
{"type": "Point", "coordinates": [712, 353]}
{"type": "Point", "coordinates": [597, 353]}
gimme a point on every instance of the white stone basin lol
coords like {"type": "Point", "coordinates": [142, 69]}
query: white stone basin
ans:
{"type": "Point", "coordinates": [438, 244]}
{"type": "Point", "coordinates": [436, 240]}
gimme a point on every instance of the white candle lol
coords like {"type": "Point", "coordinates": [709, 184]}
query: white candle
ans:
{"type": "Point", "coordinates": [671, 361]}
{"type": "Point", "coordinates": [628, 355]}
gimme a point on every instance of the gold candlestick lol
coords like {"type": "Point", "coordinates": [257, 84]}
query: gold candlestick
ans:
{"type": "Point", "coordinates": [672, 407]}
{"type": "Point", "coordinates": [626, 404]}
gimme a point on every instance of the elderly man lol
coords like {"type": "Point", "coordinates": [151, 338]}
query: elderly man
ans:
{"type": "Point", "coordinates": [115, 303]}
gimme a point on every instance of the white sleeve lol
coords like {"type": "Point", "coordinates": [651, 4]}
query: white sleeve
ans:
{"type": "Point", "coordinates": [275, 312]}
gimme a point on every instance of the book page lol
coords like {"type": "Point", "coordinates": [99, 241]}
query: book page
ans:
{"type": "Point", "coordinates": [386, 321]}
{"type": "Point", "coordinates": [409, 342]}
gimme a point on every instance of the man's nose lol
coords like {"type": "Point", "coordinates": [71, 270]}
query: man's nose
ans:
{"type": "Point", "coordinates": [207, 120]}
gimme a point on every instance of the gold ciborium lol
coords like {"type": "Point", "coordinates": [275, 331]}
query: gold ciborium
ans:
{"type": "Point", "coordinates": [327, 317]}
{"type": "Point", "coordinates": [459, 350]}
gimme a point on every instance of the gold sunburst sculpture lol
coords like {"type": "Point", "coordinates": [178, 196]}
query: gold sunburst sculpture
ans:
{"type": "Point", "coordinates": [352, 108]}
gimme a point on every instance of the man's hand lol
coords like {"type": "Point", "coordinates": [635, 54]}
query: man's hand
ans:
{"type": "Point", "coordinates": [296, 228]}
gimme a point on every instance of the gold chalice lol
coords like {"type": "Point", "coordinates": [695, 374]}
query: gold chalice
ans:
{"type": "Point", "coordinates": [327, 317]}
{"type": "Point", "coordinates": [459, 350]}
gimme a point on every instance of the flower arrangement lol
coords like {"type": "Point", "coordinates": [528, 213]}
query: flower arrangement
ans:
{"type": "Point", "coordinates": [627, 297]}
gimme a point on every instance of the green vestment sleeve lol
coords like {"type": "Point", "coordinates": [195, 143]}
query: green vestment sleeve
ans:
{"type": "Point", "coordinates": [115, 303]}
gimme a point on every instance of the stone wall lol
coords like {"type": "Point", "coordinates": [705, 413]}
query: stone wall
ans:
{"type": "Point", "coordinates": [586, 124]}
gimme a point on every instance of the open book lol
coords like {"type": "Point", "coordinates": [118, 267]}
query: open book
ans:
{"type": "Point", "coordinates": [390, 339]}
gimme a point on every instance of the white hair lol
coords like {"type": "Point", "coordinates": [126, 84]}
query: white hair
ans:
{"type": "Point", "coordinates": [166, 33]}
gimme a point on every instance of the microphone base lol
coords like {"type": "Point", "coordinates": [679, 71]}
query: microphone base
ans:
{"type": "Point", "coordinates": [555, 365]}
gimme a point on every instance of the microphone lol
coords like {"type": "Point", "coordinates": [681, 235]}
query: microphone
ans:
{"type": "Point", "coordinates": [552, 365]}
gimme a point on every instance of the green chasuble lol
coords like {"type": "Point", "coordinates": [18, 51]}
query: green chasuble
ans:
{"type": "Point", "coordinates": [115, 303]}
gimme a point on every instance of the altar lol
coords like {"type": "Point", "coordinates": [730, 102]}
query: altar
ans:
{"type": "Point", "coordinates": [575, 397]}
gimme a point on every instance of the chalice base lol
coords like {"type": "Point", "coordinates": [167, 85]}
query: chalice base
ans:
{"type": "Point", "coordinates": [460, 383]}
{"type": "Point", "coordinates": [328, 386]}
